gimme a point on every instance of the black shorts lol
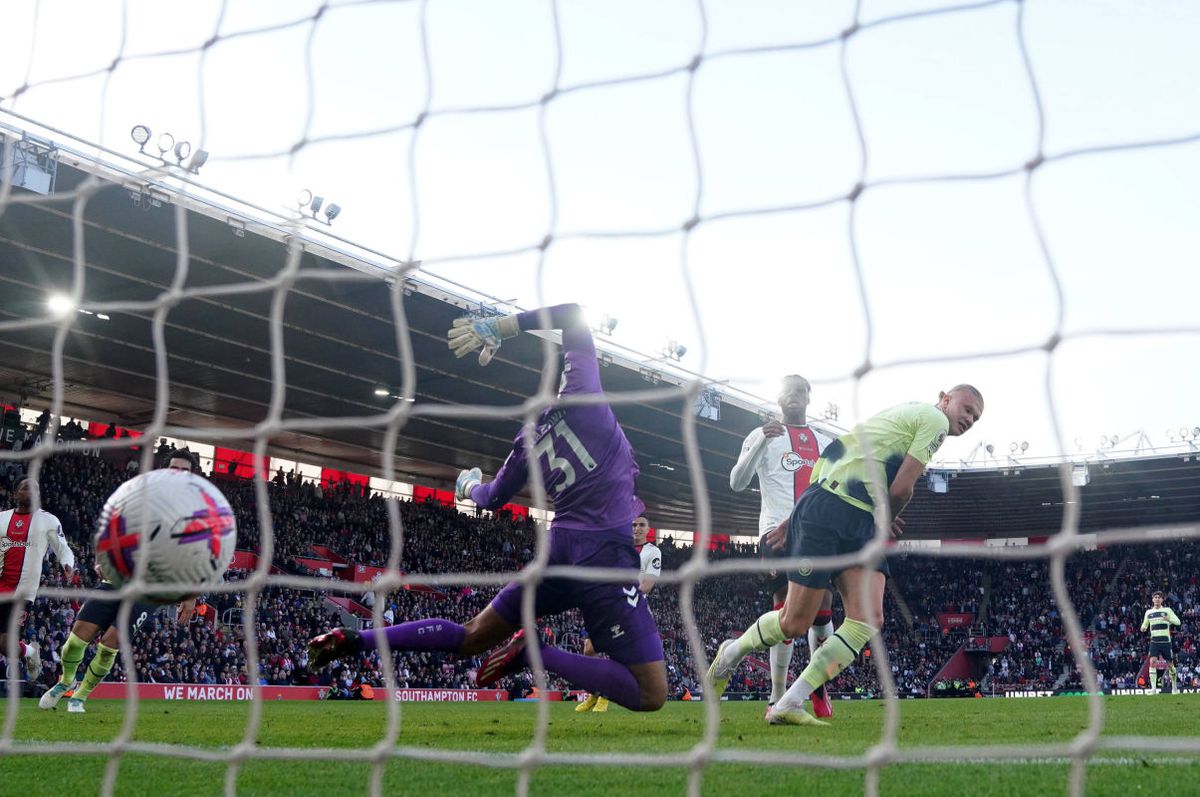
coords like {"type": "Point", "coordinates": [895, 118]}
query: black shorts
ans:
{"type": "Point", "coordinates": [1162, 650]}
{"type": "Point", "coordinates": [775, 580]}
{"type": "Point", "coordinates": [822, 524]}
{"type": "Point", "coordinates": [102, 613]}
{"type": "Point", "coordinates": [6, 612]}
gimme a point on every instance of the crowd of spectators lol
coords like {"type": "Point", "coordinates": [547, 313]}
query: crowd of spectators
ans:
{"type": "Point", "coordinates": [1004, 598]}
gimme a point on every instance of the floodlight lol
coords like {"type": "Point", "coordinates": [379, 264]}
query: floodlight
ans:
{"type": "Point", "coordinates": [59, 304]}
{"type": "Point", "coordinates": [1024, 446]}
{"type": "Point", "coordinates": [332, 211]}
{"type": "Point", "coordinates": [315, 205]}
{"type": "Point", "coordinates": [990, 448]}
{"type": "Point", "coordinates": [675, 350]}
{"type": "Point", "coordinates": [166, 142]}
{"type": "Point", "coordinates": [140, 135]}
{"type": "Point", "coordinates": [198, 160]}
{"type": "Point", "coordinates": [182, 150]}
{"type": "Point", "coordinates": [608, 324]}
{"type": "Point", "coordinates": [381, 391]}
{"type": "Point", "coordinates": [303, 198]}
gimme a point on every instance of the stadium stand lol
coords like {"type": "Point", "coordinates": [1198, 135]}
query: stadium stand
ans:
{"type": "Point", "coordinates": [1007, 600]}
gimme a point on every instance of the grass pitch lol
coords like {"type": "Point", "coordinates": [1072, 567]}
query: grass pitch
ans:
{"type": "Point", "coordinates": [507, 728]}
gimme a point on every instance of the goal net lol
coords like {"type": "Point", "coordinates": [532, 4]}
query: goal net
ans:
{"type": "Point", "coordinates": [889, 198]}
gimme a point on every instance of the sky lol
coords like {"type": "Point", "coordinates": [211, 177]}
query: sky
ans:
{"type": "Point", "coordinates": [963, 280]}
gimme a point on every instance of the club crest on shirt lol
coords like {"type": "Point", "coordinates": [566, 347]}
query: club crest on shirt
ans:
{"type": "Point", "coordinates": [20, 524]}
{"type": "Point", "coordinates": [802, 436]}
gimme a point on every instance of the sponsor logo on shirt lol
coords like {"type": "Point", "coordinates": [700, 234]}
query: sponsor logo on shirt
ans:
{"type": "Point", "coordinates": [937, 443]}
{"type": "Point", "coordinates": [792, 462]}
{"type": "Point", "coordinates": [6, 543]}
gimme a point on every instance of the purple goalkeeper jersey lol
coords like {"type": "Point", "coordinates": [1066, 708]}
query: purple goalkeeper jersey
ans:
{"type": "Point", "coordinates": [587, 465]}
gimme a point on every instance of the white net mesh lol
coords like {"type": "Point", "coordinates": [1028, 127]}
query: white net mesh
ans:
{"type": "Point", "coordinates": [330, 91]}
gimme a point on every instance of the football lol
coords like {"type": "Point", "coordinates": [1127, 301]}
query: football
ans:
{"type": "Point", "coordinates": [172, 527]}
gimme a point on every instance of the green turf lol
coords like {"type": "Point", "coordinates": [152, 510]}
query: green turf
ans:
{"type": "Point", "coordinates": [507, 727]}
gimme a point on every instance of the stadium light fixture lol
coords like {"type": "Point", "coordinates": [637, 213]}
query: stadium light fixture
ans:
{"type": "Point", "coordinates": [166, 143]}
{"type": "Point", "coordinates": [182, 150]}
{"type": "Point", "coordinates": [607, 324]}
{"type": "Point", "coordinates": [141, 136]}
{"type": "Point", "coordinates": [1024, 446]}
{"type": "Point", "coordinates": [381, 391]}
{"type": "Point", "coordinates": [303, 198]}
{"type": "Point", "coordinates": [59, 304]}
{"type": "Point", "coordinates": [674, 350]}
{"type": "Point", "coordinates": [103, 317]}
{"type": "Point", "coordinates": [331, 212]}
{"type": "Point", "coordinates": [198, 160]}
{"type": "Point", "coordinates": [315, 205]}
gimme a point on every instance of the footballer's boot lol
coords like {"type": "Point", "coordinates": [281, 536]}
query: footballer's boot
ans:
{"type": "Point", "coordinates": [75, 706]}
{"type": "Point", "coordinates": [822, 705]}
{"type": "Point", "coordinates": [719, 672]}
{"type": "Point", "coordinates": [55, 694]}
{"type": "Point", "coordinates": [506, 659]}
{"type": "Point", "coordinates": [783, 714]}
{"type": "Point", "coordinates": [333, 645]}
{"type": "Point", "coordinates": [588, 704]}
{"type": "Point", "coordinates": [601, 705]}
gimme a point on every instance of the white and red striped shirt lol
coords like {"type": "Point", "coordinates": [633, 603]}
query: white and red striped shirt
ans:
{"type": "Point", "coordinates": [783, 465]}
{"type": "Point", "coordinates": [24, 538]}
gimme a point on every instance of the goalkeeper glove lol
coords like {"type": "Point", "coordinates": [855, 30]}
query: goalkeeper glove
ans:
{"type": "Point", "coordinates": [466, 481]}
{"type": "Point", "coordinates": [469, 334]}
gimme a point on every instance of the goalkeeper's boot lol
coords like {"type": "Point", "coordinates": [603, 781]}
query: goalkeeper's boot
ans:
{"type": "Point", "coordinates": [588, 704]}
{"type": "Point", "coordinates": [55, 694]}
{"type": "Point", "coordinates": [33, 662]}
{"type": "Point", "coordinates": [601, 705]}
{"type": "Point", "coordinates": [720, 670]}
{"type": "Point", "coordinates": [822, 705]}
{"type": "Point", "coordinates": [783, 714]}
{"type": "Point", "coordinates": [75, 706]}
{"type": "Point", "coordinates": [502, 661]}
{"type": "Point", "coordinates": [333, 645]}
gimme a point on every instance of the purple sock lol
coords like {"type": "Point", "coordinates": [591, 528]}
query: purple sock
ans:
{"type": "Point", "coordinates": [597, 675]}
{"type": "Point", "coordinates": [432, 634]}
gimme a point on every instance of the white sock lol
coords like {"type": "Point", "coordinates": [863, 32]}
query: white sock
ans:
{"type": "Point", "coordinates": [781, 658]}
{"type": "Point", "coordinates": [818, 634]}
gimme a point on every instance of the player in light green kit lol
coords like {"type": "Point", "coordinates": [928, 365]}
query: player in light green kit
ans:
{"type": "Point", "coordinates": [834, 517]}
{"type": "Point", "coordinates": [1158, 622]}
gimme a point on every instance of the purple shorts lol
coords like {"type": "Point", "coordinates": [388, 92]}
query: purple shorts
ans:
{"type": "Point", "coordinates": [616, 615]}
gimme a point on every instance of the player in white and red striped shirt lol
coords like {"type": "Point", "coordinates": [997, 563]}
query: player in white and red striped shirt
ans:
{"type": "Point", "coordinates": [782, 455]}
{"type": "Point", "coordinates": [24, 537]}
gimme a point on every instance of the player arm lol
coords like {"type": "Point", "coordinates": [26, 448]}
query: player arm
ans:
{"type": "Point", "coordinates": [1146, 621]}
{"type": "Point", "coordinates": [509, 479]}
{"type": "Point", "coordinates": [58, 542]}
{"type": "Point", "coordinates": [752, 453]}
{"type": "Point", "coordinates": [579, 349]}
{"type": "Point", "coordinates": [653, 571]}
{"type": "Point", "coordinates": [187, 608]}
{"type": "Point", "coordinates": [929, 431]}
{"type": "Point", "coordinates": [1173, 618]}
{"type": "Point", "coordinates": [901, 490]}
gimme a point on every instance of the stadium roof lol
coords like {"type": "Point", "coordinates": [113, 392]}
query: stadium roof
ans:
{"type": "Point", "coordinates": [340, 345]}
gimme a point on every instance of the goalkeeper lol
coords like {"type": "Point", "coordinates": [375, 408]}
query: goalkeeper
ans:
{"type": "Point", "coordinates": [588, 468]}
{"type": "Point", "coordinates": [835, 517]}
{"type": "Point", "coordinates": [1158, 621]}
